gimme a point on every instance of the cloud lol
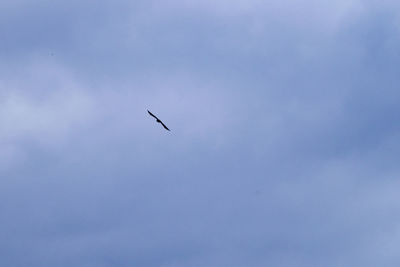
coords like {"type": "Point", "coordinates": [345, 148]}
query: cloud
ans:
{"type": "Point", "coordinates": [283, 149]}
{"type": "Point", "coordinates": [46, 107]}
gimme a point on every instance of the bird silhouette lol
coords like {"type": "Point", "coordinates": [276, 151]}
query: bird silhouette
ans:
{"type": "Point", "coordinates": [158, 120]}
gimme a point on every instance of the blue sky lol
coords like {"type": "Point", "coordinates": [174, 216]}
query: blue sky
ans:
{"type": "Point", "coordinates": [284, 143]}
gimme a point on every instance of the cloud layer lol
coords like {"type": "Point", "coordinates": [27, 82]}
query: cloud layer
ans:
{"type": "Point", "coordinates": [284, 142]}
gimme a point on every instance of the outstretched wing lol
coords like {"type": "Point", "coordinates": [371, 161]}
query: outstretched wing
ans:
{"type": "Point", "coordinates": [151, 114]}
{"type": "Point", "coordinates": [166, 128]}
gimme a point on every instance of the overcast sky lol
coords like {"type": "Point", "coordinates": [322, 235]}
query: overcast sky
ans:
{"type": "Point", "coordinates": [284, 142]}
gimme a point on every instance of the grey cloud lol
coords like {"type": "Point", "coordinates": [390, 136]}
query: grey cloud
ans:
{"type": "Point", "coordinates": [283, 146]}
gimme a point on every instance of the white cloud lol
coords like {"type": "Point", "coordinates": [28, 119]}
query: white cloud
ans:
{"type": "Point", "coordinates": [53, 117]}
{"type": "Point", "coordinates": [298, 13]}
{"type": "Point", "coordinates": [47, 107]}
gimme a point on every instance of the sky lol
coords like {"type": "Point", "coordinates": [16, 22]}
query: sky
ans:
{"type": "Point", "coordinates": [284, 142]}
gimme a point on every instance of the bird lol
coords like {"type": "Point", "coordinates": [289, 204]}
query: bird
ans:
{"type": "Point", "coordinates": [158, 120]}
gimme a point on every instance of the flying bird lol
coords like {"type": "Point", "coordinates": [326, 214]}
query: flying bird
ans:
{"type": "Point", "coordinates": [158, 120]}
